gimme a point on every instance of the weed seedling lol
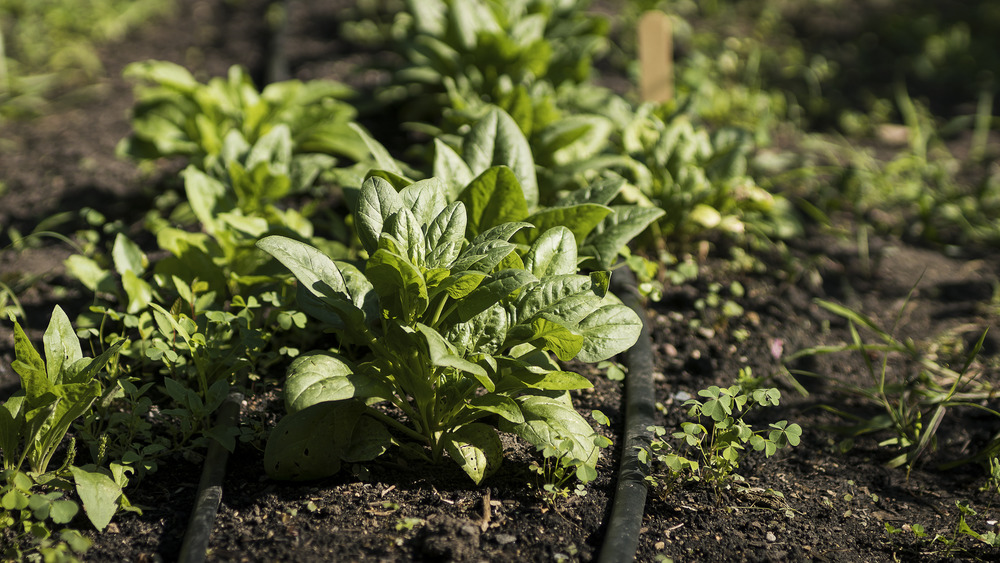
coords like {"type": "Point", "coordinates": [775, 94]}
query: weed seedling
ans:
{"type": "Point", "coordinates": [713, 441]}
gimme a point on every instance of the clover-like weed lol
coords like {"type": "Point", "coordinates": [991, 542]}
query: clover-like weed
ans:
{"type": "Point", "coordinates": [716, 437]}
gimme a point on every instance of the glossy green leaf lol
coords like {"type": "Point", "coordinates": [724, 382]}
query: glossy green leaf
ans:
{"type": "Point", "coordinates": [451, 169]}
{"type": "Point", "coordinates": [483, 256]}
{"type": "Point", "coordinates": [323, 376]}
{"type": "Point", "coordinates": [310, 443]}
{"type": "Point", "coordinates": [425, 199]}
{"type": "Point", "coordinates": [99, 493]}
{"type": "Point", "coordinates": [377, 202]}
{"type": "Point", "coordinates": [496, 140]}
{"type": "Point", "coordinates": [29, 365]}
{"type": "Point", "coordinates": [339, 286]}
{"type": "Point", "coordinates": [62, 347]}
{"type": "Point", "coordinates": [405, 229]}
{"type": "Point", "coordinates": [400, 286]}
{"type": "Point", "coordinates": [609, 330]}
{"type": "Point", "coordinates": [617, 229]}
{"type": "Point", "coordinates": [476, 448]}
{"type": "Point", "coordinates": [127, 256]}
{"type": "Point", "coordinates": [552, 254]}
{"type": "Point", "coordinates": [556, 337]}
{"type": "Point", "coordinates": [493, 198]}
{"type": "Point", "coordinates": [580, 219]}
{"type": "Point", "coordinates": [445, 236]}
{"type": "Point", "coordinates": [505, 407]}
{"type": "Point", "coordinates": [493, 291]}
{"type": "Point", "coordinates": [551, 421]}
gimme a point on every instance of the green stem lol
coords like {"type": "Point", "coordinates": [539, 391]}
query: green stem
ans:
{"type": "Point", "coordinates": [398, 425]}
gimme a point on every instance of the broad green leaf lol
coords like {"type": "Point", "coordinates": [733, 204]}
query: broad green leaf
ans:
{"type": "Point", "coordinates": [451, 168]}
{"type": "Point", "coordinates": [369, 440]}
{"type": "Point", "coordinates": [567, 297]}
{"type": "Point", "coordinates": [62, 347]}
{"type": "Point", "coordinates": [575, 138]}
{"type": "Point", "coordinates": [92, 367]}
{"type": "Point", "coordinates": [483, 256]}
{"type": "Point", "coordinates": [497, 140]}
{"type": "Point", "coordinates": [425, 199]}
{"type": "Point", "coordinates": [445, 236]}
{"type": "Point", "coordinates": [461, 284]}
{"type": "Point", "coordinates": [579, 219]}
{"type": "Point", "coordinates": [323, 376]}
{"type": "Point", "coordinates": [551, 421]}
{"type": "Point", "coordinates": [90, 273]}
{"type": "Point", "coordinates": [138, 291]}
{"type": "Point", "coordinates": [99, 494]}
{"type": "Point", "coordinates": [442, 354]}
{"type": "Point", "coordinates": [609, 330]}
{"type": "Point", "coordinates": [553, 380]}
{"type": "Point", "coordinates": [339, 286]}
{"type": "Point", "coordinates": [405, 229]}
{"type": "Point", "coordinates": [63, 511]}
{"type": "Point", "coordinates": [503, 231]}
{"type": "Point", "coordinates": [476, 448]}
{"type": "Point", "coordinates": [499, 405]}
{"type": "Point", "coordinates": [310, 444]}
{"type": "Point", "coordinates": [617, 229]}
{"type": "Point", "coordinates": [11, 425]}
{"type": "Point", "coordinates": [29, 365]}
{"type": "Point", "coordinates": [400, 286]}
{"type": "Point", "coordinates": [498, 288]}
{"type": "Point", "coordinates": [601, 193]}
{"type": "Point", "coordinates": [377, 202]}
{"type": "Point", "coordinates": [14, 500]}
{"type": "Point", "coordinates": [495, 197]}
{"type": "Point", "coordinates": [379, 153]}
{"type": "Point", "coordinates": [207, 197]}
{"type": "Point", "coordinates": [556, 337]}
{"type": "Point", "coordinates": [552, 254]}
{"type": "Point", "coordinates": [127, 256]}
{"type": "Point", "coordinates": [484, 333]}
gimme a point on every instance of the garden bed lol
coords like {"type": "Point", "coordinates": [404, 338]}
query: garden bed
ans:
{"type": "Point", "coordinates": [834, 503]}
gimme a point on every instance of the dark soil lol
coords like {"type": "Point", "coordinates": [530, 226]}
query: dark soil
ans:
{"type": "Point", "coordinates": [834, 505]}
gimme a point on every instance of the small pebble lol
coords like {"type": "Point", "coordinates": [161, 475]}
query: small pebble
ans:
{"type": "Point", "coordinates": [770, 537]}
{"type": "Point", "coordinates": [504, 539]}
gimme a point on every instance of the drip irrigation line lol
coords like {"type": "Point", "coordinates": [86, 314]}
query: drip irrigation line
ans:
{"type": "Point", "coordinates": [199, 530]}
{"type": "Point", "coordinates": [622, 536]}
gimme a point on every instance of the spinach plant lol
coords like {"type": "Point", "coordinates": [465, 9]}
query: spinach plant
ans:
{"type": "Point", "coordinates": [700, 179]}
{"type": "Point", "coordinates": [463, 51]}
{"type": "Point", "coordinates": [495, 195]}
{"type": "Point", "coordinates": [175, 115]}
{"type": "Point", "coordinates": [454, 328]}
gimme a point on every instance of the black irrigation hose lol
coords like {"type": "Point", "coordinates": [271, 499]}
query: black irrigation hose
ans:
{"type": "Point", "coordinates": [199, 530]}
{"type": "Point", "coordinates": [622, 536]}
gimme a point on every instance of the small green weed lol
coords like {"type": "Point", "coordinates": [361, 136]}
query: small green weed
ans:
{"type": "Point", "coordinates": [711, 454]}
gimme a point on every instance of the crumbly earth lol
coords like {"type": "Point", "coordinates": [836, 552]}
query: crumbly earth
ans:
{"type": "Point", "coordinates": [815, 502]}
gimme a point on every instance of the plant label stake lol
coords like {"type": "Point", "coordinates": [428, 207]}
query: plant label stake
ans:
{"type": "Point", "coordinates": [656, 78]}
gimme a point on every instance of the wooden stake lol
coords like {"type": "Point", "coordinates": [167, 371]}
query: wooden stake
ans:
{"type": "Point", "coordinates": [656, 64]}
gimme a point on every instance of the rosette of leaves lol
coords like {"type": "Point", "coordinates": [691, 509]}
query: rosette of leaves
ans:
{"type": "Point", "coordinates": [454, 326]}
{"type": "Point", "coordinates": [465, 50]}
{"type": "Point", "coordinates": [510, 191]}
{"type": "Point", "coordinates": [699, 179]}
{"type": "Point", "coordinates": [175, 115]}
{"type": "Point", "coordinates": [237, 201]}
